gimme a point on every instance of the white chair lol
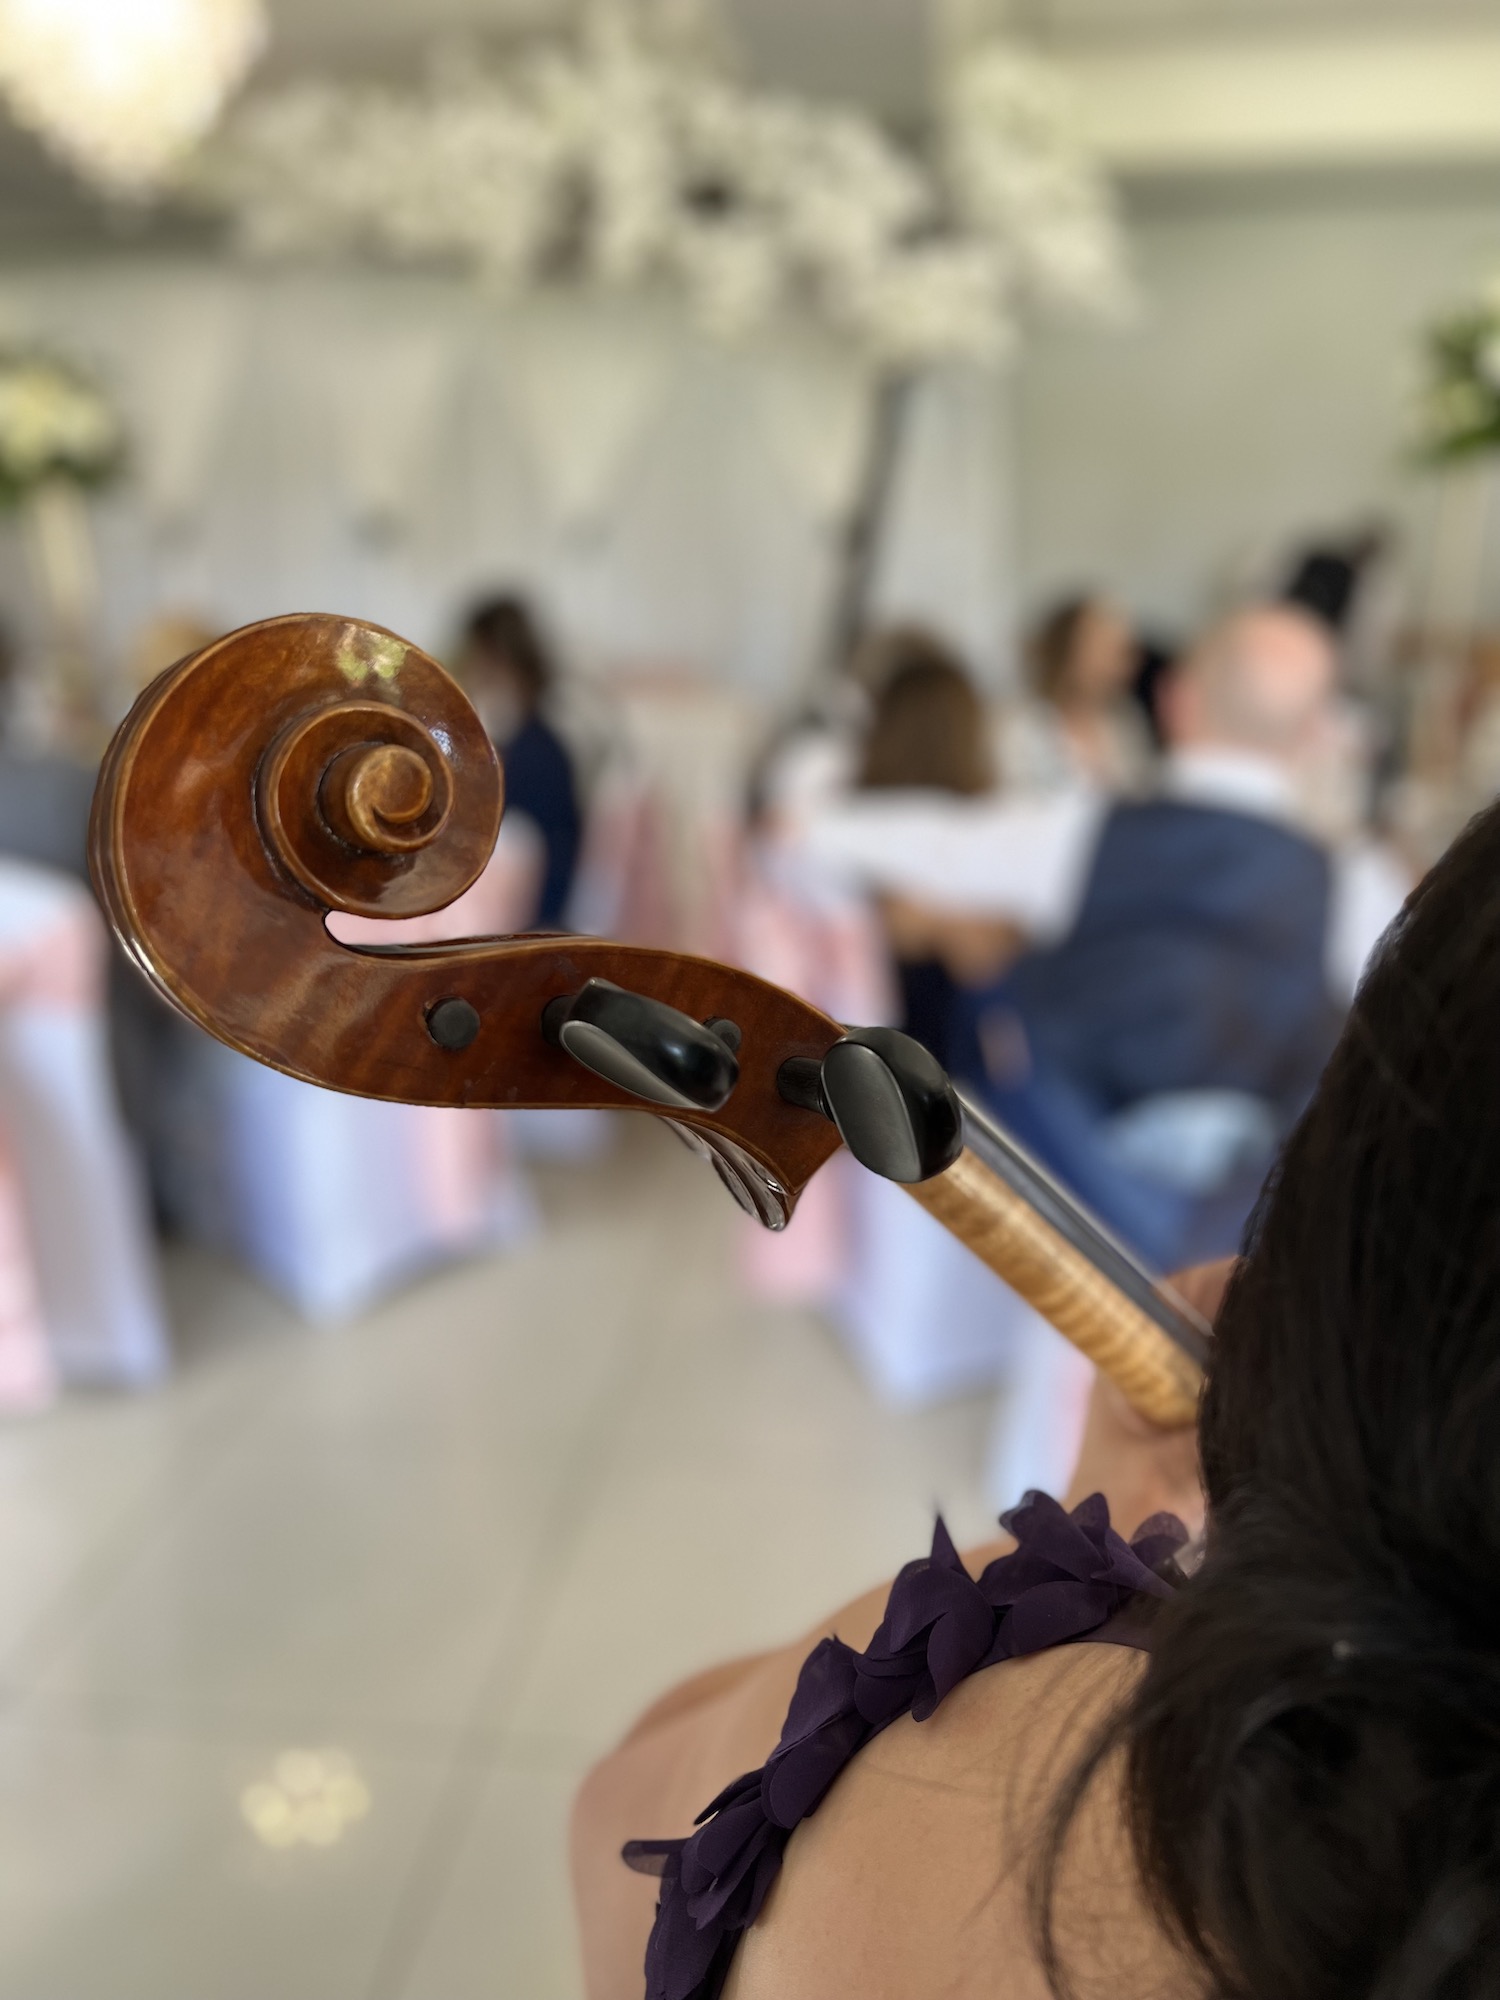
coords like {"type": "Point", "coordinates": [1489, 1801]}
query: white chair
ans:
{"type": "Point", "coordinates": [87, 1228]}
{"type": "Point", "coordinates": [335, 1200]}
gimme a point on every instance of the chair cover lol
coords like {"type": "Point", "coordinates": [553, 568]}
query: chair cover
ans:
{"type": "Point", "coordinates": [333, 1200]}
{"type": "Point", "coordinates": [93, 1267]}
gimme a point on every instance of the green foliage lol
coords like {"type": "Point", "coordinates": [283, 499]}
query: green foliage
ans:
{"type": "Point", "coordinates": [1459, 416]}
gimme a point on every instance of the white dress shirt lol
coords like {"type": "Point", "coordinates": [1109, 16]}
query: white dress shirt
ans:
{"type": "Point", "coordinates": [1028, 859]}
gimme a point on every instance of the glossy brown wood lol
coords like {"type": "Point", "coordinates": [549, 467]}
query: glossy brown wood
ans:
{"type": "Point", "coordinates": [311, 764]}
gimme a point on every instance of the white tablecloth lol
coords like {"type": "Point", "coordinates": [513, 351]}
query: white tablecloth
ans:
{"type": "Point", "coordinates": [76, 1258]}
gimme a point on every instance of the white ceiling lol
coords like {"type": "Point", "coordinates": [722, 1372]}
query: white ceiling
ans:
{"type": "Point", "coordinates": [873, 50]}
{"type": "Point", "coordinates": [1162, 85]}
{"type": "Point", "coordinates": [785, 29]}
{"type": "Point", "coordinates": [1136, 17]}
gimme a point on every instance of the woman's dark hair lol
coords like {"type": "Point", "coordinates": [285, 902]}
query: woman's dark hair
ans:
{"type": "Point", "coordinates": [505, 629]}
{"type": "Point", "coordinates": [1312, 1759]}
{"type": "Point", "coordinates": [929, 726]}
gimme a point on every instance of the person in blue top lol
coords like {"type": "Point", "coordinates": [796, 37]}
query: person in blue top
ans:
{"type": "Point", "coordinates": [507, 670]}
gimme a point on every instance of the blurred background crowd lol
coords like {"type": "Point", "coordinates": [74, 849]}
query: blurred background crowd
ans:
{"type": "Point", "coordinates": [979, 514]}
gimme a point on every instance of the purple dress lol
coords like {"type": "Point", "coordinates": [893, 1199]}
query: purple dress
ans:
{"type": "Point", "coordinates": [1069, 1578]}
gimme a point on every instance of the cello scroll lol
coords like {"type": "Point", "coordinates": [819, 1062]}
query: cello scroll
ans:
{"type": "Point", "coordinates": [314, 764]}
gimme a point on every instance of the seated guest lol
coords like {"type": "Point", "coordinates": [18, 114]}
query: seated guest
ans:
{"type": "Point", "coordinates": [1153, 663]}
{"type": "Point", "coordinates": [1080, 724]}
{"type": "Point", "coordinates": [508, 671]}
{"type": "Point", "coordinates": [927, 728]}
{"type": "Point", "coordinates": [45, 795]}
{"type": "Point", "coordinates": [817, 757]}
{"type": "Point", "coordinates": [1327, 578]}
{"type": "Point", "coordinates": [1264, 1769]}
{"type": "Point", "coordinates": [927, 733]}
{"type": "Point", "coordinates": [1192, 951]}
{"type": "Point", "coordinates": [45, 799]}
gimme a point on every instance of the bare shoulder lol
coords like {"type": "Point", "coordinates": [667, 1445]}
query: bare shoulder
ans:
{"type": "Point", "coordinates": [913, 1879]}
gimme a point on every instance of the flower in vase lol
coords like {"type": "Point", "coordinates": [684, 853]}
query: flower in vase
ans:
{"type": "Point", "coordinates": [53, 424]}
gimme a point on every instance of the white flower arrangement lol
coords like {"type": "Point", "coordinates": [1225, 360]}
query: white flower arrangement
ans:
{"type": "Point", "coordinates": [1018, 176]}
{"type": "Point", "coordinates": [630, 154]}
{"type": "Point", "coordinates": [55, 424]}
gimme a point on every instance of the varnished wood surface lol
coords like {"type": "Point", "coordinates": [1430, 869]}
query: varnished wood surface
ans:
{"type": "Point", "coordinates": [218, 853]}
{"type": "Point", "coordinates": [1000, 1228]}
{"type": "Point", "coordinates": [310, 764]}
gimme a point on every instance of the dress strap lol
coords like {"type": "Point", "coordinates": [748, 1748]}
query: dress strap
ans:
{"type": "Point", "coordinates": [1069, 1578]}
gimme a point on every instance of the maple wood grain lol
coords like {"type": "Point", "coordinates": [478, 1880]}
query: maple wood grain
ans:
{"type": "Point", "coordinates": [1006, 1233]}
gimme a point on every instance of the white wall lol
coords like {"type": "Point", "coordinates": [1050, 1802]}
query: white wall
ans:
{"type": "Point", "coordinates": [388, 445]}
{"type": "Point", "coordinates": [1264, 391]}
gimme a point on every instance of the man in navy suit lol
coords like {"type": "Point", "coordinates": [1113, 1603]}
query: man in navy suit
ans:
{"type": "Point", "coordinates": [1189, 954]}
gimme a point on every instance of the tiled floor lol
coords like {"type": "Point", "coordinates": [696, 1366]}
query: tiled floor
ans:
{"type": "Point", "coordinates": [459, 1542]}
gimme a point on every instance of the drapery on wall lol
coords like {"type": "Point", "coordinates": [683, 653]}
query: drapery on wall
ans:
{"type": "Point", "coordinates": [386, 444]}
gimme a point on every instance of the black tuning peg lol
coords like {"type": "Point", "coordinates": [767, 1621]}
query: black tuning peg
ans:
{"type": "Point", "coordinates": [646, 1047]}
{"type": "Point", "coordinates": [893, 1104]}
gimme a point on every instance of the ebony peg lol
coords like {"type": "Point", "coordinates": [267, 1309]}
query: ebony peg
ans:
{"type": "Point", "coordinates": [645, 1047]}
{"type": "Point", "coordinates": [891, 1099]}
{"type": "Point", "coordinates": [454, 1025]}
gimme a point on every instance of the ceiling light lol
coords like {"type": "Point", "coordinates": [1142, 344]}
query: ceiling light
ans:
{"type": "Point", "coordinates": [124, 89]}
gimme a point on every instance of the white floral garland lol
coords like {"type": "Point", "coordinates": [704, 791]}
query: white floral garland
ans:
{"type": "Point", "coordinates": [629, 155]}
